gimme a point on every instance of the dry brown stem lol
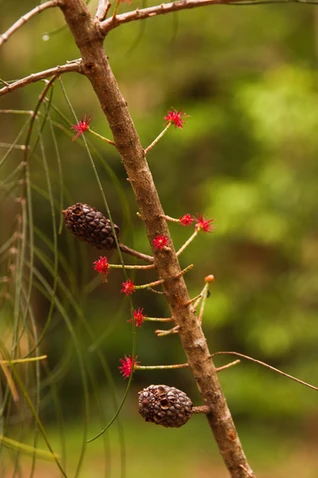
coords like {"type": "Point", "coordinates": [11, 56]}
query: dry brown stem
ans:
{"type": "Point", "coordinates": [89, 39]}
{"type": "Point", "coordinates": [162, 9]}
{"type": "Point", "coordinates": [291, 377]}
{"type": "Point", "coordinates": [102, 9]}
{"type": "Point", "coordinates": [177, 6]}
{"type": "Point", "coordinates": [22, 20]}
{"type": "Point", "coordinates": [41, 75]}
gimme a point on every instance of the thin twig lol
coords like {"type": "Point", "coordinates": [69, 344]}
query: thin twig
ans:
{"type": "Point", "coordinates": [201, 409]}
{"type": "Point", "coordinates": [163, 333]}
{"type": "Point", "coordinates": [12, 146]}
{"type": "Point", "coordinates": [41, 75]}
{"type": "Point", "coordinates": [131, 266]}
{"type": "Point", "coordinates": [228, 365]}
{"type": "Point", "coordinates": [204, 297]}
{"type": "Point", "coordinates": [155, 141]}
{"type": "Point", "coordinates": [164, 8]}
{"type": "Point", "coordinates": [25, 360]}
{"type": "Point", "coordinates": [109, 141]}
{"type": "Point", "coordinates": [102, 9]}
{"type": "Point", "coordinates": [19, 23]}
{"type": "Point", "coordinates": [267, 366]}
{"type": "Point", "coordinates": [185, 245]}
{"type": "Point", "coordinates": [161, 367]}
{"type": "Point", "coordinates": [154, 291]}
{"type": "Point", "coordinates": [10, 381]}
{"type": "Point", "coordinates": [159, 319]}
{"type": "Point", "coordinates": [134, 253]}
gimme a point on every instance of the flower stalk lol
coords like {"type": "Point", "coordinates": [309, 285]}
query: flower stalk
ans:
{"type": "Point", "coordinates": [155, 141]}
{"type": "Point", "coordinates": [109, 141]}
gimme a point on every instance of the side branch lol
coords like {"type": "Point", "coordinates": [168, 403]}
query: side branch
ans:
{"type": "Point", "coordinates": [41, 75]}
{"type": "Point", "coordinates": [268, 366]}
{"type": "Point", "coordinates": [102, 9]}
{"type": "Point", "coordinates": [164, 8]}
{"type": "Point", "coordinates": [19, 23]}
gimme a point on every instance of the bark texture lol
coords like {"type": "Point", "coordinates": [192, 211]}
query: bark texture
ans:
{"type": "Point", "coordinates": [89, 39]}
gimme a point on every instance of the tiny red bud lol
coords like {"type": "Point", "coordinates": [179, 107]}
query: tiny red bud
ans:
{"type": "Point", "coordinates": [210, 278]}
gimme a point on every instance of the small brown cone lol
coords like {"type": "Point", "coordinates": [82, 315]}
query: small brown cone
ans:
{"type": "Point", "coordinates": [90, 225]}
{"type": "Point", "coordinates": [163, 405]}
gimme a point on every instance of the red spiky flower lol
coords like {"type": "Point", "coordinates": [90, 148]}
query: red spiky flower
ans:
{"type": "Point", "coordinates": [102, 267]}
{"type": "Point", "coordinates": [186, 220]}
{"type": "Point", "coordinates": [128, 287]}
{"type": "Point", "coordinates": [127, 366]}
{"type": "Point", "coordinates": [203, 224]}
{"type": "Point", "coordinates": [81, 126]}
{"type": "Point", "coordinates": [175, 117]}
{"type": "Point", "coordinates": [139, 317]}
{"type": "Point", "coordinates": [160, 242]}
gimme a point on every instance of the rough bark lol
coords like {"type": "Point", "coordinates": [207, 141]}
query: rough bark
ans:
{"type": "Point", "coordinates": [89, 39]}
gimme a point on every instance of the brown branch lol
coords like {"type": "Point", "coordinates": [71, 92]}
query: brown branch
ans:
{"type": "Point", "coordinates": [96, 67]}
{"type": "Point", "coordinates": [149, 12]}
{"type": "Point", "coordinates": [132, 252]}
{"type": "Point", "coordinates": [267, 366]}
{"type": "Point", "coordinates": [102, 9]}
{"type": "Point", "coordinates": [41, 75]}
{"type": "Point", "coordinates": [200, 409]}
{"type": "Point", "coordinates": [179, 5]}
{"type": "Point", "coordinates": [19, 23]}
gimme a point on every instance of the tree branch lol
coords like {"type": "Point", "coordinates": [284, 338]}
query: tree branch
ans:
{"type": "Point", "coordinates": [102, 9]}
{"type": "Point", "coordinates": [179, 5]}
{"type": "Point", "coordinates": [89, 40]}
{"type": "Point", "coordinates": [56, 71]}
{"type": "Point", "coordinates": [162, 9]}
{"type": "Point", "coordinates": [247, 357]}
{"type": "Point", "coordinates": [19, 23]}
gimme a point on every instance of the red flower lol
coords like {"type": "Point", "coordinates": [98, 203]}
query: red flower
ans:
{"type": "Point", "coordinates": [127, 366]}
{"type": "Point", "coordinates": [128, 287]}
{"type": "Point", "coordinates": [160, 242]}
{"type": "Point", "coordinates": [186, 220]}
{"type": "Point", "coordinates": [175, 117]}
{"type": "Point", "coordinates": [139, 317]}
{"type": "Point", "coordinates": [102, 266]}
{"type": "Point", "coordinates": [81, 126]}
{"type": "Point", "coordinates": [203, 224]}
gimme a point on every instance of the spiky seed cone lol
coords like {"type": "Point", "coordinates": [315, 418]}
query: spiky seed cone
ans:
{"type": "Point", "coordinates": [90, 225]}
{"type": "Point", "coordinates": [165, 406]}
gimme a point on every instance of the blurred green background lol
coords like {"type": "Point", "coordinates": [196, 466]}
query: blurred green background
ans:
{"type": "Point", "coordinates": [247, 156]}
